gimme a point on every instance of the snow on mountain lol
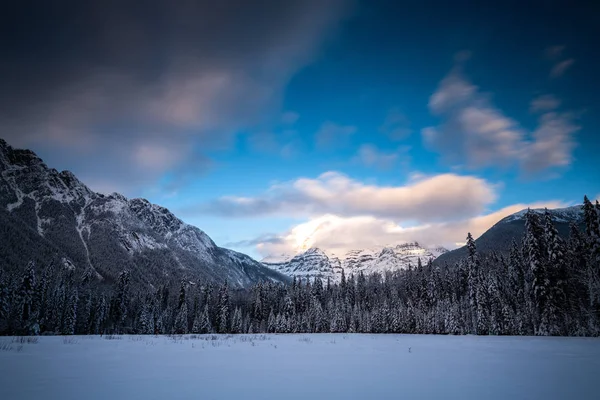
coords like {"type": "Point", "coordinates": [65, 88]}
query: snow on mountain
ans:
{"type": "Point", "coordinates": [318, 263]}
{"type": "Point", "coordinates": [566, 214]}
{"type": "Point", "coordinates": [500, 236]}
{"type": "Point", "coordinates": [51, 217]}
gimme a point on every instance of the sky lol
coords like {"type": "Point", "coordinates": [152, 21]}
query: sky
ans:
{"type": "Point", "coordinates": [277, 126]}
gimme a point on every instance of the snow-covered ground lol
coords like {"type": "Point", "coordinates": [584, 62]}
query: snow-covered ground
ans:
{"type": "Point", "coordinates": [319, 366]}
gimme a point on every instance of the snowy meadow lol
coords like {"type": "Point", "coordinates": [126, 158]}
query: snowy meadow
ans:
{"type": "Point", "coordinates": [297, 366]}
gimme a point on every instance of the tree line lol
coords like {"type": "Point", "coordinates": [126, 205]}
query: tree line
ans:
{"type": "Point", "coordinates": [545, 285]}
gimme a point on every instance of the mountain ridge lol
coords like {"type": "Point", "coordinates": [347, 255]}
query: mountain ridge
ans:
{"type": "Point", "coordinates": [318, 263]}
{"type": "Point", "coordinates": [499, 237]}
{"type": "Point", "coordinates": [64, 222]}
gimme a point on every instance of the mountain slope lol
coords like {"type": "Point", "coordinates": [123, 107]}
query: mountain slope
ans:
{"type": "Point", "coordinates": [51, 217]}
{"type": "Point", "coordinates": [317, 263]}
{"type": "Point", "coordinates": [499, 237]}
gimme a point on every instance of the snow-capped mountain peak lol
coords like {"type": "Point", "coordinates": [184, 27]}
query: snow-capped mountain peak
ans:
{"type": "Point", "coordinates": [319, 263]}
{"type": "Point", "coordinates": [52, 217]}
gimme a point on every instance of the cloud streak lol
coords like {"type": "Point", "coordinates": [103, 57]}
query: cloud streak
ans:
{"type": "Point", "coordinates": [474, 132]}
{"type": "Point", "coordinates": [560, 68]}
{"type": "Point", "coordinates": [434, 198]}
{"type": "Point", "coordinates": [546, 102]}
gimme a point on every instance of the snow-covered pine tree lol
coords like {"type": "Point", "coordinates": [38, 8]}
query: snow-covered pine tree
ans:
{"type": "Point", "coordinates": [181, 321]}
{"type": "Point", "coordinates": [122, 301]}
{"type": "Point", "coordinates": [197, 324]}
{"type": "Point", "coordinates": [236, 323]}
{"type": "Point", "coordinates": [146, 320]}
{"type": "Point", "coordinates": [590, 216]}
{"type": "Point", "coordinates": [4, 302]}
{"type": "Point", "coordinates": [516, 280]}
{"type": "Point", "coordinates": [182, 298]}
{"type": "Point", "coordinates": [44, 298]}
{"type": "Point", "coordinates": [84, 315]}
{"type": "Point", "coordinates": [70, 318]}
{"type": "Point", "coordinates": [534, 250]}
{"type": "Point", "coordinates": [473, 282]}
{"type": "Point", "coordinates": [27, 315]}
{"type": "Point", "coordinates": [271, 323]}
{"type": "Point", "coordinates": [101, 313]}
{"type": "Point", "coordinates": [224, 308]}
{"type": "Point", "coordinates": [206, 325]}
{"type": "Point", "coordinates": [592, 224]}
{"type": "Point", "coordinates": [557, 275]}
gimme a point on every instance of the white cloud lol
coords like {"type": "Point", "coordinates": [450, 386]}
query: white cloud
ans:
{"type": "Point", "coordinates": [476, 133]}
{"type": "Point", "coordinates": [340, 234]}
{"type": "Point", "coordinates": [330, 134]}
{"type": "Point", "coordinates": [560, 68]}
{"type": "Point", "coordinates": [546, 102]}
{"type": "Point", "coordinates": [433, 198]}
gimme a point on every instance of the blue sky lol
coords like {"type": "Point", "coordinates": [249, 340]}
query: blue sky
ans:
{"type": "Point", "coordinates": [316, 123]}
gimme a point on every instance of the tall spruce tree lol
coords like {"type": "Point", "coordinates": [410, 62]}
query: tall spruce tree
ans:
{"type": "Point", "coordinates": [70, 318]}
{"type": "Point", "coordinates": [27, 314]}
{"type": "Point", "coordinates": [473, 283]}
{"type": "Point", "coordinates": [540, 291]}
{"type": "Point", "coordinates": [224, 308]}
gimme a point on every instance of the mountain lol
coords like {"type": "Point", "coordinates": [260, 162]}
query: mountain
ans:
{"type": "Point", "coordinates": [48, 216]}
{"type": "Point", "coordinates": [317, 263]}
{"type": "Point", "coordinates": [499, 237]}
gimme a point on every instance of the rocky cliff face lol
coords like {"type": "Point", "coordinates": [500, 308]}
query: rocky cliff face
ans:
{"type": "Point", "coordinates": [51, 217]}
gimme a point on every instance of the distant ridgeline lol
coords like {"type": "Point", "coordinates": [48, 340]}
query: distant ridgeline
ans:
{"type": "Point", "coordinates": [546, 285]}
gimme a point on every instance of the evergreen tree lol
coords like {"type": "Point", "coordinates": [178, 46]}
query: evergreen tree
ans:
{"type": "Point", "coordinates": [181, 295]}
{"type": "Point", "coordinates": [28, 319]}
{"type": "Point", "coordinates": [590, 216]}
{"type": "Point", "coordinates": [181, 321]}
{"type": "Point", "coordinates": [70, 318]}
{"type": "Point", "coordinates": [473, 283]}
{"type": "Point", "coordinates": [236, 323]}
{"type": "Point", "coordinates": [537, 265]}
{"type": "Point", "coordinates": [4, 303]}
{"type": "Point", "coordinates": [146, 320]}
{"type": "Point", "coordinates": [224, 309]}
{"type": "Point", "coordinates": [271, 322]}
{"type": "Point", "coordinates": [205, 325]}
{"type": "Point", "coordinates": [101, 315]}
{"type": "Point", "coordinates": [122, 301]}
{"type": "Point", "coordinates": [557, 277]}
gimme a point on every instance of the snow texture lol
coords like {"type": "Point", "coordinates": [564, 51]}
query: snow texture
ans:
{"type": "Point", "coordinates": [318, 366]}
{"type": "Point", "coordinates": [568, 214]}
{"type": "Point", "coordinates": [319, 263]}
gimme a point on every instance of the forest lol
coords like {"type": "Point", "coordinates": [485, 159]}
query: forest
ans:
{"type": "Point", "coordinates": [545, 285]}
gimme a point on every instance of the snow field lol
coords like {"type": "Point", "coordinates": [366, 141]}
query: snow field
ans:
{"type": "Point", "coordinates": [315, 366]}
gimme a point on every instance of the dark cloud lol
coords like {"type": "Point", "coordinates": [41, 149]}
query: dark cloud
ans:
{"type": "Point", "coordinates": [111, 77]}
